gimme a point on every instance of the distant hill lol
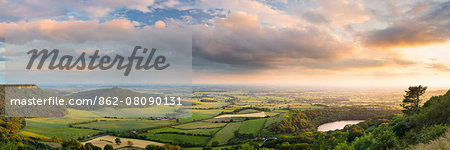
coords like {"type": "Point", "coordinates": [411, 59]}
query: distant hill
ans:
{"type": "Point", "coordinates": [122, 94]}
{"type": "Point", "coordinates": [27, 92]}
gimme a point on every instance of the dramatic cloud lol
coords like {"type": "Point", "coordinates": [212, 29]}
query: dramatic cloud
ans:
{"type": "Point", "coordinates": [247, 39]}
{"type": "Point", "coordinates": [335, 13]}
{"type": "Point", "coordinates": [356, 63]}
{"type": "Point", "coordinates": [71, 36]}
{"type": "Point", "coordinates": [241, 41]}
{"type": "Point", "coordinates": [431, 28]}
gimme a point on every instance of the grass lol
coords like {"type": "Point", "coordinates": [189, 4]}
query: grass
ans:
{"type": "Point", "coordinates": [252, 126]}
{"type": "Point", "coordinates": [235, 119]}
{"type": "Point", "coordinates": [49, 127]}
{"type": "Point", "coordinates": [60, 132]}
{"type": "Point", "coordinates": [177, 138]}
{"type": "Point", "coordinates": [54, 122]}
{"type": "Point", "coordinates": [200, 125]}
{"type": "Point", "coordinates": [204, 132]}
{"type": "Point", "coordinates": [156, 111]}
{"type": "Point", "coordinates": [52, 144]}
{"type": "Point", "coordinates": [441, 143]}
{"type": "Point", "coordinates": [272, 113]}
{"type": "Point", "coordinates": [226, 133]}
{"type": "Point", "coordinates": [274, 119]}
{"type": "Point", "coordinates": [195, 116]}
{"type": "Point", "coordinates": [124, 125]}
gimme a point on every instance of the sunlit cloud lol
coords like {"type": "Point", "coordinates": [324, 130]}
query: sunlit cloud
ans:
{"type": "Point", "coordinates": [357, 42]}
{"type": "Point", "coordinates": [430, 28]}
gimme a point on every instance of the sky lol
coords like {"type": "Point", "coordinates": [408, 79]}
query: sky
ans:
{"type": "Point", "coordinates": [270, 42]}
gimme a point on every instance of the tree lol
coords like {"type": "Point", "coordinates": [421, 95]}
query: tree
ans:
{"type": "Point", "coordinates": [90, 146]}
{"type": "Point", "coordinates": [207, 148]}
{"type": "Point", "coordinates": [412, 99]}
{"type": "Point", "coordinates": [153, 147]}
{"type": "Point", "coordinates": [355, 132]}
{"type": "Point", "coordinates": [8, 145]}
{"type": "Point", "coordinates": [130, 143]}
{"type": "Point", "coordinates": [118, 141]}
{"type": "Point", "coordinates": [108, 147]}
{"type": "Point", "coordinates": [248, 146]}
{"type": "Point", "coordinates": [215, 144]}
{"type": "Point", "coordinates": [87, 146]}
{"type": "Point", "coordinates": [72, 144]}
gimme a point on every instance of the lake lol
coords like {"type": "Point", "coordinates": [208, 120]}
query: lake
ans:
{"type": "Point", "coordinates": [336, 125]}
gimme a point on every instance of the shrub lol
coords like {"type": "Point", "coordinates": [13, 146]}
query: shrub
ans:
{"type": "Point", "coordinates": [401, 128]}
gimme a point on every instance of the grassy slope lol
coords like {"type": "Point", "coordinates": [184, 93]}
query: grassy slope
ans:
{"type": "Point", "coordinates": [62, 133]}
{"type": "Point", "coordinates": [442, 143]}
{"type": "Point", "coordinates": [123, 125]}
{"type": "Point", "coordinates": [194, 116]}
{"type": "Point", "coordinates": [200, 125]}
{"type": "Point", "coordinates": [205, 132]}
{"type": "Point", "coordinates": [252, 126]}
{"type": "Point", "coordinates": [265, 131]}
{"type": "Point", "coordinates": [49, 127]}
{"type": "Point", "coordinates": [226, 133]}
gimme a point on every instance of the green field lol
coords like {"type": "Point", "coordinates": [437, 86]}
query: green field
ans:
{"type": "Point", "coordinates": [49, 127]}
{"type": "Point", "coordinates": [226, 133]}
{"type": "Point", "coordinates": [55, 122]}
{"type": "Point", "coordinates": [62, 133]}
{"type": "Point", "coordinates": [177, 138]}
{"type": "Point", "coordinates": [156, 111]}
{"type": "Point", "coordinates": [272, 120]}
{"type": "Point", "coordinates": [228, 119]}
{"type": "Point", "coordinates": [194, 116]}
{"type": "Point", "coordinates": [252, 126]}
{"type": "Point", "coordinates": [200, 125]}
{"type": "Point", "coordinates": [124, 125]}
{"type": "Point", "coordinates": [204, 132]}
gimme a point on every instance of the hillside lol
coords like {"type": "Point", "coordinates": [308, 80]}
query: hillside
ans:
{"type": "Point", "coordinates": [430, 122]}
{"type": "Point", "coordinates": [30, 111]}
{"type": "Point", "coordinates": [441, 143]}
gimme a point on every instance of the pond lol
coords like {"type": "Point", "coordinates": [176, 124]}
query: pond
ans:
{"type": "Point", "coordinates": [336, 125]}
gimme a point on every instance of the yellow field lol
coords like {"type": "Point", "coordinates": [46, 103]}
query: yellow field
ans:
{"type": "Point", "coordinates": [103, 140]}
